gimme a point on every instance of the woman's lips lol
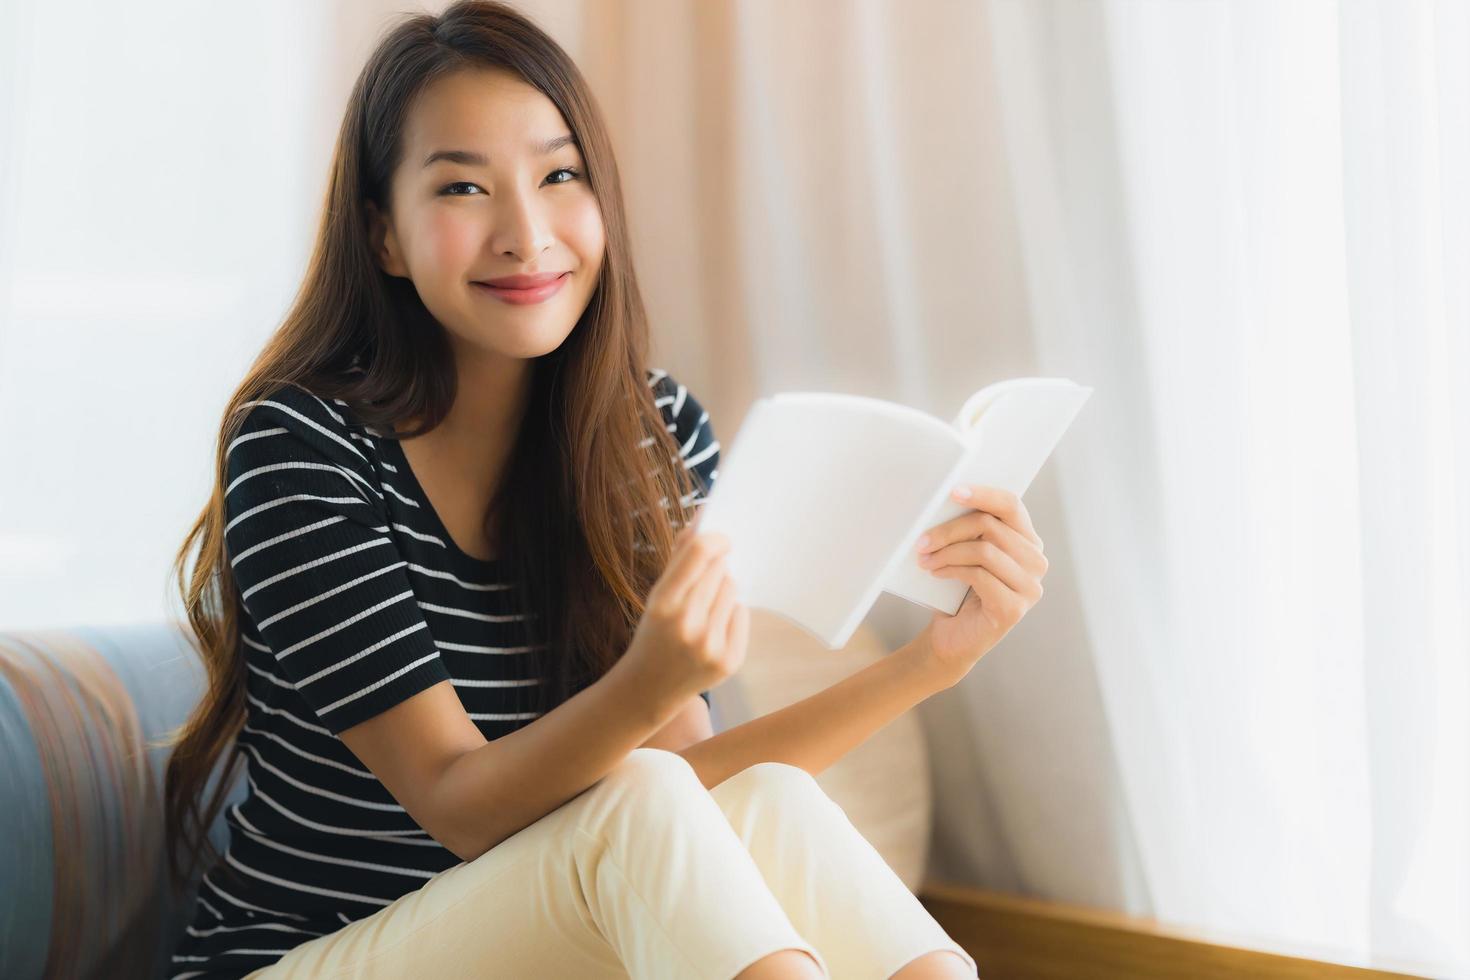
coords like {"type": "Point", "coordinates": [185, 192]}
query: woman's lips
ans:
{"type": "Point", "coordinates": [521, 297]}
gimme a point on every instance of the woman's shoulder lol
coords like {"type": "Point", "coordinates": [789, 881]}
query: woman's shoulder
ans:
{"type": "Point", "coordinates": [324, 425]}
{"type": "Point", "coordinates": [674, 398]}
{"type": "Point", "coordinates": [295, 400]}
{"type": "Point", "coordinates": [689, 421]}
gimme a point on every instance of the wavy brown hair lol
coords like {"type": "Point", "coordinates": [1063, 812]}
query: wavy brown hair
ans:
{"type": "Point", "coordinates": [586, 550]}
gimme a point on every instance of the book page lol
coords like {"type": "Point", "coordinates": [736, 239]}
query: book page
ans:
{"type": "Point", "coordinates": [815, 493]}
{"type": "Point", "coordinates": [1012, 427]}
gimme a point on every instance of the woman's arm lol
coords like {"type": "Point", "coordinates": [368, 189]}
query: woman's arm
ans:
{"type": "Point", "coordinates": [996, 550]}
{"type": "Point", "coordinates": [690, 725]}
{"type": "Point", "coordinates": [815, 732]}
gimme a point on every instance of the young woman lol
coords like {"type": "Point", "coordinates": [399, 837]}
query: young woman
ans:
{"type": "Point", "coordinates": [449, 626]}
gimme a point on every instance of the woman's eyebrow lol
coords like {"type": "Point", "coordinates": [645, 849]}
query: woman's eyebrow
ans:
{"type": "Point", "coordinates": [472, 159]}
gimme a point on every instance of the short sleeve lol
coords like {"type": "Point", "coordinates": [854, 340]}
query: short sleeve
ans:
{"type": "Point", "coordinates": [318, 573]}
{"type": "Point", "coordinates": [698, 448]}
{"type": "Point", "coordinates": [692, 430]}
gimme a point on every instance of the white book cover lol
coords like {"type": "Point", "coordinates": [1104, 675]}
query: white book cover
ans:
{"type": "Point", "coordinates": [823, 496]}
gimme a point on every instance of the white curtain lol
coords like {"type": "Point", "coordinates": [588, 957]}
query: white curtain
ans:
{"type": "Point", "coordinates": [160, 164]}
{"type": "Point", "coordinates": [1247, 224]}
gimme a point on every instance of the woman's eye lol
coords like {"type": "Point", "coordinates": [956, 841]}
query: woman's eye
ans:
{"type": "Point", "coordinates": [572, 173]}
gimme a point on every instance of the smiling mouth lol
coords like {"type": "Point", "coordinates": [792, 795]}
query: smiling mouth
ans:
{"type": "Point", "coordinates": [521, 282]}
{"type": "Point", "coordinates": [532, 294]}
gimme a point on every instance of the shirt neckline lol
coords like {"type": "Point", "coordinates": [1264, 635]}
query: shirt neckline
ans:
{"type": "Point", "coordinates": [406, 476]}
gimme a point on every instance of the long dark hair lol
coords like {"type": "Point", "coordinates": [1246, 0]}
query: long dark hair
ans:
{"type": "Point", "coordinates": [586, 550]}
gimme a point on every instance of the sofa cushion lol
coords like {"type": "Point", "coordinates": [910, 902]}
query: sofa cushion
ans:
{"type": "Point", "coordinates": [83, 718]}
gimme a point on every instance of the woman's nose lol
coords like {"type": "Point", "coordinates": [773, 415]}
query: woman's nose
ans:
{"type": "Point", "coordinates": [521, 227]}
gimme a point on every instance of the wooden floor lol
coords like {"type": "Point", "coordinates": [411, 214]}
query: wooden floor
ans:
{"type": "Point", "coordinates": [1015, 938]}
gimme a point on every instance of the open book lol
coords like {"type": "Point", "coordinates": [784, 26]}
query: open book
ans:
{"type": "Point", "coordinates": [824, 496]}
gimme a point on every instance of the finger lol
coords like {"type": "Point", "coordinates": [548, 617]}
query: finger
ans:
{"type": "Point", "coordinates": [739, 633]}
{"type": "Point", "coordinates": [962, 528]}
{"type": "Point", "coordinates": [978, 524]}
{"type": "Point", "coordinates": [697, 600]}
{"type": "Point", "coordinates": [1002, 503]}
{"type": "Point", "coordinates": [724, 605]}
{"type": "Point", "coordinates": [689, 561]}
{"type": "Point", "coordinates": [1027, 553]}
{"type": "Point", "coordinates": [989, 528]}
{"type": "Point", "coordinates": [983, 554]}
{"type": "Point", "coordinates": [1002, 605]}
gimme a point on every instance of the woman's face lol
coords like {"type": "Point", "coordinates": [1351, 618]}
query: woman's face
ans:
{"type": "Point", "coordinates": [477, 196]}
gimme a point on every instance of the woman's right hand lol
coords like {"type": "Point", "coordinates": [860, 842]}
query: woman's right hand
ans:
{"type": "Point", "coordinates": [694, 631]}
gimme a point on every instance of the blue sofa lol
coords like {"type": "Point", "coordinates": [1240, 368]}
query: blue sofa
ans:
{"type": "Point", "coordinates": [83, 713]}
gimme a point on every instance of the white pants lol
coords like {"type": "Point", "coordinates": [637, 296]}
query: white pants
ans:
{"type": "Point", "coordinates": [648, 874]}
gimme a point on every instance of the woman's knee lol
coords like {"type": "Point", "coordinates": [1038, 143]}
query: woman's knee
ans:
{"type": "Point", "coordinates": [658, 777]}
{"type": "Point", "coordinates": [768, 789]}
{"type": "Point", "coordinates": [645, 770]}
{"type": "Point", "coordinates": [778, 778]}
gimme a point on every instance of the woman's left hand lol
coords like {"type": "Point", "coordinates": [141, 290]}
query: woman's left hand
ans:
{"type": "Point", "coordinates": [997, 551]}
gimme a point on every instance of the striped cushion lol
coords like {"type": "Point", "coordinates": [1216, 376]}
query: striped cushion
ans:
{"type": "Point", "coordinates": [81, 711]}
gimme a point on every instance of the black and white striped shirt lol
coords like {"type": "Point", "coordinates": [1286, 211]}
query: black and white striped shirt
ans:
{"type": "Point", "coordinates": [357, 598]}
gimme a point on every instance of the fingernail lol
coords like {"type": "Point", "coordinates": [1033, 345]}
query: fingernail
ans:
{"type": "Point", "coordinates": [923, 542]}
{"type": "Point", "coordinates": [962, 492]}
